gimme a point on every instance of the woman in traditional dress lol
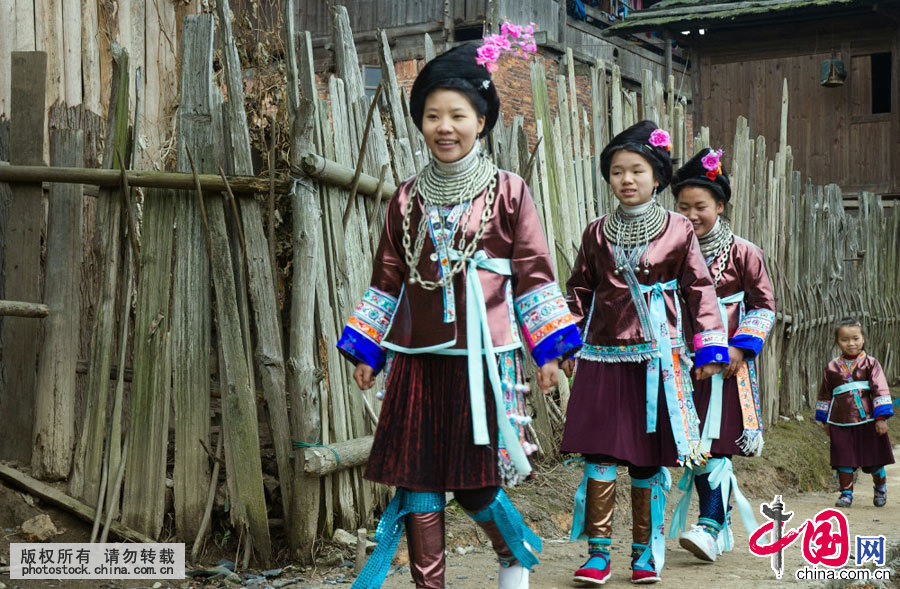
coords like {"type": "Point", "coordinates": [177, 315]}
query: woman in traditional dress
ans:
{"type": "Point", "coordinates": [462, 256]}
{"type": "Point", "coordinates": [728, 403]}
{"type": "Point", "coordinates": [631, 401]}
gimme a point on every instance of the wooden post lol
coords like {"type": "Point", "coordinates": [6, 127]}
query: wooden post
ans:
{"type": "Point", "coordinates": [260, 281]}
{"type": "Point", "coordinates": [190, 325]}
{"type": "Point", "coordinates": [85, 479]}
{"type": "Point", "coordinates": [54, 425]}
{"type": "Point", "coordinates": [22, 266]}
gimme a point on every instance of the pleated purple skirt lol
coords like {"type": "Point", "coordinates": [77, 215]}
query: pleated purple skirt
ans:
{"type": "Point", "coordinates": [732, 426]}
{"type": "Point", "coordinates": [859, 445]}
{"type": "Point", "coordinates": [607, 415]}
{"type": "Point", "coordinates": [424, 439]}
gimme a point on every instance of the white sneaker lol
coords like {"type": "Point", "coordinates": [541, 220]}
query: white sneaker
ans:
{"type": "Point", "coordinates": [514, 577]}
{"type": "Point", "coordinates": [700, 543]}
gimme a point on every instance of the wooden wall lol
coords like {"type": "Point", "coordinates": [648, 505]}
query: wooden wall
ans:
{"type": "Point", "coordinates": [835, 136]}
{"type": "Point", "coordinates": [368, 15]}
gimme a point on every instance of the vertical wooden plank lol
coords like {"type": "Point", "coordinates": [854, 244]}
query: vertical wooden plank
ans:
{"type": "Point", "coordinates": [7, 45]}
{"type": "Point", "coordinates": [144, 495]}
{"type": "Point", "coordinates": [90, 55]}
{"type": "Point", "coordinates": [54, 407]}
{"type": "Point", "coordinates": [190, 325]}
{"type": "Point", "coordinates": [23, 26]}
{"type": "Point", "coordinates": [71, 11]}
{"type": "Point", "coordinates": [85, 480]}
{"type": "Point", "coordinates": [157, 58]}
{"type": "Point", "coordinates": [21, 336]}
{"type": "Point", "coordinates": [618, 116]}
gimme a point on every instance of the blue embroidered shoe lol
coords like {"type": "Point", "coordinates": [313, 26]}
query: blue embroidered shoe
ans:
{"type": "Point", "coordinates": [880, 497]}
{"type": "Point", "coordinates": [642, 574]}
{"type": "Point", "coordinates": [845, 500]}
{"type": "Point", "coordinates": [596, 570]}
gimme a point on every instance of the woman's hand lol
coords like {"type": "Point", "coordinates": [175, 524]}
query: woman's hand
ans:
{"type": "Point", "coordinates": [707, 370]}
{"type": "Point", "coordinates": [364, 375]}
{"type": "Point", "coordinates": [828, 429]}
{"type": "Point", "coordinates": [736, 358]}
{"type": "Point", "coordinates": [568, 367]}
{"type": "Point", "coordinates": [548, 375]}
{"type": "Point", "coordinates": [881, 427]}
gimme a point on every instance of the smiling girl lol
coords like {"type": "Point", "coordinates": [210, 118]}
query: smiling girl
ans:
{"type": "Point", "coordinates": [854, 402]}
{"type": "Point", "coordinates": [631, 401]}
{"type": "Point", "coordinates": [462, 255]}
{"type": "Point", "coordinates": [728, 404]}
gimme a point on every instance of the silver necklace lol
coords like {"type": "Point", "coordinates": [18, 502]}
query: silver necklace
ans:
{"type": "Point", "coordinates": [716, 245]}
{"type": "Point", "coordinates": [631, 235]}
{"type": "Point", "coordinates": [435, 188]}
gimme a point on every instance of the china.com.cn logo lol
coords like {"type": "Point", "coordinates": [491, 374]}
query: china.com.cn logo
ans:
{"type": "Point", "coordinates": [825, 539]}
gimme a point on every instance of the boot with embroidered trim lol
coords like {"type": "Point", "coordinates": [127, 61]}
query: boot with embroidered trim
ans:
{"type": "Point", "coordinates": [845, 482]}
{"type": "Point", "coordinates": [702, 539]}
{"type": "Point", "coordinates": [425, 538]}
{"type": "Point", "coordinates": [512, 575]}
{"type": "Point", "coordinates": [879, 478]}
{"type": "Point", "coordinates": [643, 570]}
{"type": "Point", "coordinates": [600, 504]}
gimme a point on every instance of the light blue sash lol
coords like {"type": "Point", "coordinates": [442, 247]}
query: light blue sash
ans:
{"type": "Point", "coordinates": [713, 422]}
{"type": "Point", "coordinates": [856, 385]}
{"type": "Point", "coordinates": [480, 347]}
{"type": "Point", "coordinates": [663, 364]}
{"type": "Point", "coordinates": [659, 485]}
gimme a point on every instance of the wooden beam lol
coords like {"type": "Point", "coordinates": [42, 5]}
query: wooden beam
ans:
{"type": "Point", "coordinates": [58, 498]}
{"type": "Point", "coordinates": [143, 178]}
{"type": "Point", "coordinates": [20, 309]}
{"type": "Point", "coordinates": [316, 166]}
{"type": "Point", "coordinates": [323, 460]}
{"type": "Point", "coordinates": [22, 264]}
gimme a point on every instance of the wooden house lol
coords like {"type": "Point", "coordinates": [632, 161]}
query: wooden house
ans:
{"type": "Point", "coordinates": [844, 122]}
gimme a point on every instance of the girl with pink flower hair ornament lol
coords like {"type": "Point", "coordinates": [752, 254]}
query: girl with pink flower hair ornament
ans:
{"type": "Point", "coordinates": [631, 401]}
{"type": "Point", "coordinates": [728, 404]}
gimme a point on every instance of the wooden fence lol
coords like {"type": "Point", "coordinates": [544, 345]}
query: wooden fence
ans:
{"type": "Point", "coordinates": [217, 355]}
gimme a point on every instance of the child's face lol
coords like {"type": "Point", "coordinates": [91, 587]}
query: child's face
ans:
{"type": "Point", "coordinates": [700, 207]}
{"type": "Point", "coordinates": [850, 340]}
{"type": "Point", "coordinates": [631, 177]}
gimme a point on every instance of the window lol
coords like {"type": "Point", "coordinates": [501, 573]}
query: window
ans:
{"type": "Point", "coordinates": [371, 78]}
{"type": "Point", "coordinates": [881, 83]}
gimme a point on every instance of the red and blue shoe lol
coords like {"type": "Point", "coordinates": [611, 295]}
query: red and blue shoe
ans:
{"type": "Point", "coordinates": [596, 570]}
{"type": "Point", "coordinates": [645, 573]}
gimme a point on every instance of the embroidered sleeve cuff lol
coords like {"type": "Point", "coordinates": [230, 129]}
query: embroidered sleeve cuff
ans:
{"type": "Point", "coordinates": [356, 347]}
{"type": "Point", "coordinates": [882, 407]}
{"type": "Point", "coordinates": [751, 345]}
{"type": "Point", "coordinates": [753, 330]}
{"type": "Point", "coordinates": [710, 346]}
{"type": "Point", "coordinates": [549, 327]}
{"type": "Point", "coordinates": [822, 410]}
{"type": "Point", "coordinates": [561, 344]}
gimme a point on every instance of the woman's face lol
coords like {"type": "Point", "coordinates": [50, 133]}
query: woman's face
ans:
{"type": "Point", "coordinates": [450, 124]}
{"type": "Point", "coordinates": [631, 177]}
{"type": "Point", "coordinates": [700, 207]}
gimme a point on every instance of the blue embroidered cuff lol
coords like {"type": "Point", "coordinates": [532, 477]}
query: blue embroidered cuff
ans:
{"type": "Point", "coordinates": [546, 320]}
{"type": "Point", "coordinates": [356, 347]}
{"type": "Point", "coordinates": [822, 410]}
{"type": "Point", "coordinates": [882, 407]}
{"type": "Point", "coordinates": [749, 343]}
{"type": "Point", "coordinates": [562, 343]}
{"type": "Point", "coordinates": [713, 353]}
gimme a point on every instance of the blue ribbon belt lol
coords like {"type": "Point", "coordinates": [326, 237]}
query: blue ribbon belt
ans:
{"type": "Point", "coordinates": [659, 485]}
{"type": "Point", "coordinates": [663, 362]}
{"type": "Point", "coordinates": [856, 386]}
{"type": "Point", "coordinates": [479, 348]}
{"type": "Point", "coordinates": [713, 421]}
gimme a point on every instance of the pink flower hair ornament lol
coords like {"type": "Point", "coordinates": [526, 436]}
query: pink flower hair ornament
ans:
{"type": "Point", "coordinates": [660, 138]}
{"type": "Point", "coordinates": [512, 38]}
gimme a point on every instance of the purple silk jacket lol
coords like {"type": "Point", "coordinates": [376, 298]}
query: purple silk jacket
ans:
{"type": "Point", "coordinates": [404, 317]}
{"type": "Point", "coordinates": [858, 404]}
{"type": "Point", "coordinates": [603, 308]}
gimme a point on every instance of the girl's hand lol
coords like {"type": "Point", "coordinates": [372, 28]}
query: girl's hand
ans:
{"type": "Point", "coordinates": [736, 358]}
{"type": "Point", "coordinates": [548, 375]}
{"type": "Point", "coordinates": [364, 375]}
{"type": "Point", "coordinates": [707, 370]}
{"type": "Point", "coordinates": [880, 427]}
{"type": "Point", "coordinates": [568, 367]}
{"type": "Point", "coordinates": [828, 429]}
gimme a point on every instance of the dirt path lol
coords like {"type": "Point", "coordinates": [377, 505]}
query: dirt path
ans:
{"type": "Point", "coordinates": [735, 570]}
